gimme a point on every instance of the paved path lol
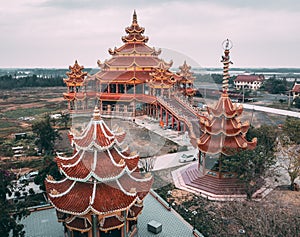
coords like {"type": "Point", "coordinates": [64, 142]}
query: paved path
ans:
{"type": "Point", "coordinates": [171, 160]}
{"type": "Point", "coordinates": [272, 110]}
{"type": "Point", "coordinates": [175, 136]}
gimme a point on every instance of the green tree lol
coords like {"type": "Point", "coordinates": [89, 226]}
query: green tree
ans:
{"type": "Point", "coordinates": [49, 168]}
{"type": "Point", "coordinates": [10, 213]}
{"type": "Point", "coordinates": [65, 119]}
{"type": "Point", "coordinates": [252, 165]}
{"type": "Point", "coordinates": [291, 128]}
{"type": "Point", "coordinates": [297, 102]}
{"type": "Point", "coordinates": [46, 135]}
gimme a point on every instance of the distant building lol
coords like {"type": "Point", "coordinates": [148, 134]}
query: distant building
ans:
{"type": "Point", "coordinates": [296, 91]}
{"type": "Point", "coordinates": [252, 82]}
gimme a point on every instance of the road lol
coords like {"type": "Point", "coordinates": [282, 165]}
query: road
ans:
{"type": "Point", "coordinates": [171, 160]}
{"type": "Point", "coordinates": [272, 110]}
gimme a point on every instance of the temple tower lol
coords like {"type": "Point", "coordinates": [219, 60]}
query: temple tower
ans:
{"type": "Point", "coordinates": [102, 191]}
{"type": "Point", "coordinates": [223, 133]}
{"type": "Point", "coordinates": [186, 82]}
{"type": "Point", "coordinates": [74, 84]}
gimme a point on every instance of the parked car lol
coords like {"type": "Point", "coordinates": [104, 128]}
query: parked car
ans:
{"type": "Point", "coordinates": [186, 158]}
{"type": "Point", "coordinates": [29, 177]}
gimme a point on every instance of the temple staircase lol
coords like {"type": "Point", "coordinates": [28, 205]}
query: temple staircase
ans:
{"type": "Point", "coordinates": [184, 112]}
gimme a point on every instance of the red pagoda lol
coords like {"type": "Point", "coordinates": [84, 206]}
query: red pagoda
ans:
{"type": "Point", "coordinates": [74, 83]}
{"type": "Point", "coordinates": [129, 83]}
{"type": "Point", "coordinates": [223, 133]}
{"type": "Point", "coordinates": [186, 81]}
{"type": "Point", "coordinates": [102, 192]}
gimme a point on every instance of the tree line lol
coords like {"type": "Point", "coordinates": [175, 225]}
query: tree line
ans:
{"type": "Point", "coordinates": [11, 82]}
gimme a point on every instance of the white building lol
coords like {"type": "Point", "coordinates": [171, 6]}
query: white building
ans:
{"type": "Point", "coordinates": [252, 82]}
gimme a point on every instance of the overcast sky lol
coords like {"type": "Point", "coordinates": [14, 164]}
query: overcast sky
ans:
{"type": "Point", "coordinates": [53, 33]}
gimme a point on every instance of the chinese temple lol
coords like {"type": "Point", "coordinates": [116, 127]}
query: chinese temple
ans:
{"type": "Point", "coordinates": [133, 82]}
{"type": "Point", "coordinates": [102, 192]}
{"type": "Point", "coordinates": [223, 135]}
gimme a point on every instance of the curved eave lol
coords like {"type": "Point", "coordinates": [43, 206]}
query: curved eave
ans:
{"type": "Point", "coordinates": [222, 126]}
{"type": "Point", "coordinates": [226, 108]}
{"type": "Point", "coordinates": [211, 144]}
{"type": "Point", "coordinates": [96, 198]}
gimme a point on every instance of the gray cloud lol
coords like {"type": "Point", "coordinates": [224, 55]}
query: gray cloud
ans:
{"type": "Point", "coordinates": [55, 33]}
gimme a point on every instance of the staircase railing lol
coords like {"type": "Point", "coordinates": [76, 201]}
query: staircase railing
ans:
{"type": "Point", "coordinates": [181, 117]}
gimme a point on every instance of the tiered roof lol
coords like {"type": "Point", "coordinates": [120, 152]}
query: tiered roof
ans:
{"type": "Point", "coordinates": [162, 78]}
{"type": "Point", "coordinates": [223, 132]}
{"type": "Point", "coordinates": [186, 74]}
{"type": "Point", "coordinates": [76, 76]}
{"type": "Point", "coordinates": [132, 62]}
{"type": "Point", "coordinates": [100, 178]}
{"type": "Point", "coordinates": [186, 77]}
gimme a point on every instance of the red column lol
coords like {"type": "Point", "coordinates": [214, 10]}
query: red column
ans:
{"type": "Point", "coordinates": [173, 120]}
{"type": "Point", "coordinates": [178, 125]}
{"type": "Point", "coordinates": [167, 118]}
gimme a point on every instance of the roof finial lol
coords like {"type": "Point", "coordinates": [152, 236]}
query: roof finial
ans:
{"type": "Point", "coordinates": [96, 115]}
{"type": "Point", "coordinates": [227, 45]}
{"type": "Point", "coordinates": [134, 18]}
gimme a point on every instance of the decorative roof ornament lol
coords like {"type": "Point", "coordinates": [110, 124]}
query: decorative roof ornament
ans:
{"type": "Point", "coordinates": [96, 115]}
{"type": "Point", "coordinates": [227, 45]}
{"type": "Point", "coordinates": [134, 32]}
{"type": "Point", "coordinates": [134, 18]}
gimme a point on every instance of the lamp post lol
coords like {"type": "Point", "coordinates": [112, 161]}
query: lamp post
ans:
{"type": "Point", "coordinates": [194, 215]}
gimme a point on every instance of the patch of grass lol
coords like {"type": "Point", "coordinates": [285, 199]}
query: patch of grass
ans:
{"type": "Point", "coordinates": [5, 124]}
{"type": "Point", "coordinates": [28, 112]}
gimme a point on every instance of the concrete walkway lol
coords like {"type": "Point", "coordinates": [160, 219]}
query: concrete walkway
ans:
{"type": "Point", "coordinates": [272, 110]}
{"type": "Point", "coordinates": [182, 139]}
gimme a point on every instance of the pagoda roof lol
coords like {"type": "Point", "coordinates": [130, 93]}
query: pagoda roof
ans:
{"type": "Point", "coordinates": [134, 32]}
{"type": "Point", "coordinates": [103, 165]}
{"type": "Point", "coordinates": [162, 77]}
{"type": "Point", "coordinates": [135, 48]}
{"type": "Point", "coordinates": [76, 76]}
{"type": "Point", "coordinates": [225, 107]}
{"type": "Point", "coordinates": [81, 198]}
{"type": "Point", "coordinates": [134, 211]}
{"type": "Point", "coordinates": [78, 198]}
{"type": "Point", "coordinates": [135, 61]}
{"type": "Point", "coordinates": [185, 74]}
{"type": "Point", "coordinates": [227, 145]}
{"type": "Point", "coordinates": [99, 177]}
{"type": "Point", "coordinates": [222, 131]}
{"type": "Point", "coordinates": [123, 76]}
{"type": "Point", "coordinates": [79, 223]}
{"type": "Point", "coordinates": [111, 222]}
{"type": "Point", "coordinates": [96, 134]}
{"type": "Point", "coordinates": [127, 97]}
{"type": "Point", "coordinates": [229, 127]}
